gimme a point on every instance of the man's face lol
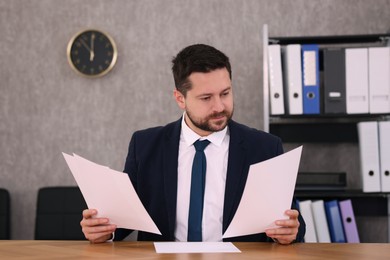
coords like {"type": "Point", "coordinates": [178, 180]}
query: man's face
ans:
{"type": "Point", "coordinates": [209, 103]}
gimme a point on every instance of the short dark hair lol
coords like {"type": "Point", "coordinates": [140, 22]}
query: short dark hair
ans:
{"type": "Point", "coordinates": [197, 58]}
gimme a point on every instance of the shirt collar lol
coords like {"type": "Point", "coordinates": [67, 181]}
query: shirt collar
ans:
{"type": "Point", "coordinates": [190, 136]}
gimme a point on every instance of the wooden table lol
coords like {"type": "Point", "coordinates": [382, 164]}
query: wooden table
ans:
{"type": "Point", "coordinates": [34, 249]}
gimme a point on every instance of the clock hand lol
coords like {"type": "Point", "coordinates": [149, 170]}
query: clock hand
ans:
{"type": "Point", "coordinates": [91, 51]}
{"type": "Point", "coordinates": [85, 45]}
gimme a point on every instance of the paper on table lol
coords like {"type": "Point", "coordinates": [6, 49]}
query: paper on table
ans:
{"type": "Point", "coordinates": [111, 193]}
{"type": "Point", "coordinates": [267, 195]}
{"type": "Point", "coordinates": [195, 247]}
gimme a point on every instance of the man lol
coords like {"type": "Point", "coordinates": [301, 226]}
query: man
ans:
{"type": "Point", "coordinates": [160, 161]}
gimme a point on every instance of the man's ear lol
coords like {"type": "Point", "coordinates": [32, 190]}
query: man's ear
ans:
{"type": "Point", "coordinates": [180, 99]}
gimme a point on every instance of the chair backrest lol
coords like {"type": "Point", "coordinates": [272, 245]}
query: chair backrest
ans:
{"type": "Point", "coordinates": [5, 214]}
{"type": "Point", "coordinates": [59, 212]}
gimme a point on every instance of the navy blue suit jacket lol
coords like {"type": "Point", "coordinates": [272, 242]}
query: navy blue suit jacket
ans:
{"type": "Point", "coordinates": [152, 167]}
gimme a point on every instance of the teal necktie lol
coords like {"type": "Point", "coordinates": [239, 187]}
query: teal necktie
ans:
{"type": "Point", "coordinates": [197, 192]}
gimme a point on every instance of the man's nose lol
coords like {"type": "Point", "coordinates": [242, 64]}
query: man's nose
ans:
{"type": "Point", "coordinates": [218, 105]}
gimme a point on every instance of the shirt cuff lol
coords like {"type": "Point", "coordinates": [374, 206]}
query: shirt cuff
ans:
{"type": "Point", "coordinates": [112, 237]}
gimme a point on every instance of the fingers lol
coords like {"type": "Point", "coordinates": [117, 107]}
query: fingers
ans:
{"type": "Point", "coordinates": [96, 230]}
{"type": "Point", "coordinates": [283, 235]}
{"type": "Point", "coordinates": [292, 221]}
{"type": "Point", "coordinates": [89, 222]}
{"type": "Point", "coordinates": [94, 239]}
{"type": "Point", "coordinates": [98, 234]}
{"type": "Point", "coordinates": [273, 232]}
{"type": "Point", "coordinates": [284, 239]}
{"type": "Point", "coordinates": [292, 213]}
{"type": "Point", "coordinates": [88, 213]}
{"type": "Point", "coordinates": [287, 231]}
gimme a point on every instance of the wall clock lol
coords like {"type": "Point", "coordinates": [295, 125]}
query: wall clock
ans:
{"type": "Point", "coordinates": [92, 53]}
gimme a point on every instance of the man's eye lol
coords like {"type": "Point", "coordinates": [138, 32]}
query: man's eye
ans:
{"type": "Point", "coordinates": [205, 98]}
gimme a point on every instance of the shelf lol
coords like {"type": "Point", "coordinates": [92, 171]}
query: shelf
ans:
{"type": "Point", "coordinates": [327, 118]}
{"type": "Point", "coordinates": [320, 128]}
{"type": "Point", "coordinates": [340, 194]}
{"type": "Point", "coordinates": [333, 39]}
{"type": "Point", "coordinates": [364, 204]}
{"type": "Point", "coordinates": [315, 133]}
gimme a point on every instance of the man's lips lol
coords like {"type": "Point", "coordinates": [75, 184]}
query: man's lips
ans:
{"type": "Point", "coordinates": [219, 117]}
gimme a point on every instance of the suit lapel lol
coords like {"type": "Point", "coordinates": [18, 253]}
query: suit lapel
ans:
{"type": "Point", "coordinates": [235, 179]}
{"type": "Point", "coordinates": [170, 155]}
{"type": "Point", "coordinates": [236, 174]}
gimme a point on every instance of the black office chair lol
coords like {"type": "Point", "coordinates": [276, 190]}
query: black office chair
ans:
{"type": "Point", "coordinates": [5, 222]}
{"type": "Point", "coordinates": [59, 212]}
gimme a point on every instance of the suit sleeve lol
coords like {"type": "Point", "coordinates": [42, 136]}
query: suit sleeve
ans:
{"type": "Point", "coordinates": [302, 225]}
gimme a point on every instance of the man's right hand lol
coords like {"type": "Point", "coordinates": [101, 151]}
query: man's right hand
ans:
{"type": "Point", "coordinates": [96, 230]}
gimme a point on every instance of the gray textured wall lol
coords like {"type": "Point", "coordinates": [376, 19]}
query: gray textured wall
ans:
{"type": "Point", "coordinates": [46, 108]}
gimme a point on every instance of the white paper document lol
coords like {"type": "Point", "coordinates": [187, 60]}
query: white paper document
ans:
{"type": "Point", "coordinates": [111, 193]}
{"type": "Point", "coordinates": [195, 247]}
{"type": "Point", "coordinates": [268, 193]}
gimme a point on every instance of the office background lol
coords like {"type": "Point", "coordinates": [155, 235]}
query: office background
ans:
{"type": "Point", "coordinates": [46, 108]}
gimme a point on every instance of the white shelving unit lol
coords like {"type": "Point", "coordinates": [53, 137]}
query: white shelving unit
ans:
{"type": "Point", "coordinates": [294, 128]}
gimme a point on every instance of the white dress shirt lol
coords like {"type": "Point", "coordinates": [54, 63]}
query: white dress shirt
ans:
{"type": "Point", "coordinates": [217, 159]}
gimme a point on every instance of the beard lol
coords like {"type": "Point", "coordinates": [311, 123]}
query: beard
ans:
{"type": "Point", "coordinates": [206, 125]}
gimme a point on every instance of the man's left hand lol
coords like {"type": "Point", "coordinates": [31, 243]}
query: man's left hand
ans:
{"type": "Point", "coordinates": [287, 231]}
